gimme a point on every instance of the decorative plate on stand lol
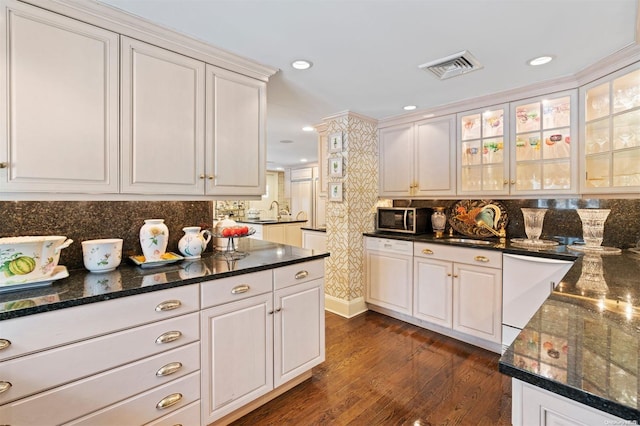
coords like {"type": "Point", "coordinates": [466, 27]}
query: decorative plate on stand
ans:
{"type": "Point", "coordinates": [472, 217]}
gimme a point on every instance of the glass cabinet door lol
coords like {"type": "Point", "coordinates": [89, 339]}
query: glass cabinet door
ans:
{"type": "Point", "coordinates": [482, 161]}
{"type": "Point", "coordinates": [544, 158]}
{"type": "Point", "coordinates": [611, 109]}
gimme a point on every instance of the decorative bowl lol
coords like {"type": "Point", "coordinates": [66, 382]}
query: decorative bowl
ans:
{"type": "Point", "coordinates": [30, 258]}
{"type": "Point", "coordinates": [102, 255]}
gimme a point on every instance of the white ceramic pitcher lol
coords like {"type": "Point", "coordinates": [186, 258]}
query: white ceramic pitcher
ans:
{"type": "Point", "coordinates": [193, 242]}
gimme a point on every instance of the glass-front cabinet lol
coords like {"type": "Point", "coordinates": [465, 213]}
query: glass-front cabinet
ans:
{"type": "Point", "coordinates": [482, 160]}
{"type": "Point", "coordinates": [521, 148]}
{"type": "Point", "coordinates": [611, 114]}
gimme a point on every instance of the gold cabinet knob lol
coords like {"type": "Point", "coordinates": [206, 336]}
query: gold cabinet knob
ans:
{"type": "Point", "coordinates": [4, 165]}
{"type": "Point", "coordinates": [4, 344]}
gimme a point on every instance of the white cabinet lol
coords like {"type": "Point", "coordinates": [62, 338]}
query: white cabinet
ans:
{"type": "Point", "coordinates": [59, 103]}
{"type": "Point", "coordinates": [281, 233]}
{"type": "Point", "coordinates": [162, 124]}
{"type": "Point", "coordinates": [314, 240]}
{"type": "Point", "coordinates": [235, 134]}
{"type": "Point", "coordinates": [536, 406]}
{"type": "Point", "coordinates": [417, 159]}
{"type": "Point", "coordinates": [459, 288]}
{"type": "Point", "coordinates": [389, 273]}
{"type": "Point", "coordinates": [610, 111]}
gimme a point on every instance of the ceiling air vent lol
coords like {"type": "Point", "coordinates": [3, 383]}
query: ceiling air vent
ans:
{"type": "Point", "coordinates": [453, 65]}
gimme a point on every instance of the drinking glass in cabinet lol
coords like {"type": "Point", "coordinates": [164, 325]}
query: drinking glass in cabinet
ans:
{"type": "Point", "coordinates": [598, 171]}
{"type": "Point", "coordinates": [470, 153]}
{"type": "Point", "coordinates": [556, 144]}
{"type": "Point", "coordinates": [626, 168]}
{"type": "Point", "coordinates": [626, 92]}
{"type": "Point", "coordinates": [528, 147]}
{"type": "Point", "coordinates": [471, 127]}
{"type": "Point", "coordinates": [493, 123]}
{"type": "Point", "coordinates": [528, 118]}
{"type": "Point", "coordinates": [626, 130]}
{"type": "Point", "coordinates": [528, 176]}
{"type": "Point", "coordinates": [556, 113]}
{"type": "Point", "coordinates": [492, 178]}
{"type": "Point", "coordinates": [557, 175]}
{"type": "Point", "coordinates": [597, 102]}
{"type": "Point", "coordinates": [597, 136]}
{"type": "Point", "coordinates": [492, 151]}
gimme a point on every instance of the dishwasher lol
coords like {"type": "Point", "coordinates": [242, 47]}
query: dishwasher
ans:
{"type": "Point", "coordinates": [527, 281]}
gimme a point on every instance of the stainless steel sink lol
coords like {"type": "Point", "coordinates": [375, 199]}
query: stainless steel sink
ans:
{"type": "Point", "coordinates": [262, 220]}
{"type": "Point", "coordinates": [469, 241]}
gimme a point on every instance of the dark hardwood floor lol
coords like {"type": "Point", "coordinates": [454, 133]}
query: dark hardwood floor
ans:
{"type": "Point", "coordinates": [381, 371]}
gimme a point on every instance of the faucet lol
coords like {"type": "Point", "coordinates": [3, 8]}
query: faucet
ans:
{"type": "Point", "coordinates": [502, 233]}
{"type": "Point", "coordinates": [277, 209]}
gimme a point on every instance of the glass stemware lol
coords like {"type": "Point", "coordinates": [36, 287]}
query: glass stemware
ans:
{"type": "Point", "coordinates": [533, 219]}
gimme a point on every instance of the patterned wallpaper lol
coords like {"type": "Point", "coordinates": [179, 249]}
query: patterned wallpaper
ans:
{"type": "Point", "coordinates": [347, 220]}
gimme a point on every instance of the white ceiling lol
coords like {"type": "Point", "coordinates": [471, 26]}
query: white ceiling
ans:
{"type": "Point", "coordinates": [366, 52]}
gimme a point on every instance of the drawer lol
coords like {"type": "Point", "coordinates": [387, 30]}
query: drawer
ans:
{"type": "Point", "coordinates": [472, 256]}
{"type": "Point", "coordinates": [225, 290]}
{"type": "Point", "coordinates": [44, 370]}
{"type": "Point", "coordinates": [389, 245]}
{"type": "Point", "coordinates": [65, 403]}
{"type": "Point", "coordinates": [145, 407]}
{"type": "Point", "coordinates": [299, 273]}
{"type": "Point", "coordinates": [49, 329]}
{"type": "Point", "coordinates": [187, 416]}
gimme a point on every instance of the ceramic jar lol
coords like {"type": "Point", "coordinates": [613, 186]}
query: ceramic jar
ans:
{"type": "Point", "coordinates": [439, 220]}
{"type": "Point", "coordinates": [154, 237]}
{"type": "Point", "coordinates": [193, 242]}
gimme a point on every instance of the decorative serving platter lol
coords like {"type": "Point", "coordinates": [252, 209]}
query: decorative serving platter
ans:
{"type": "Point", "coordinates": [525, 242]}
{"type": "Point", "coordinates": [167, 258]}
{"type": "Point", "coordinates": [59, 272]}
{"type": "Point", "coordinates": [465, 215]}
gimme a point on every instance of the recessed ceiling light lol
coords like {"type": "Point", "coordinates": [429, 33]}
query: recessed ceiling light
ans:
{"type": "Point", "coordinates": [410, 107]}
{"type": "Point", "coordinates": [303, 160]}
{"type": "Point", "coordinates": [308, 129]}
{"type": "Point", "coordinates": [541, 60]}
{"type": "Point", "coordinates": [301, 64]}
{"type": "Point", "coordinates": [286, 141]}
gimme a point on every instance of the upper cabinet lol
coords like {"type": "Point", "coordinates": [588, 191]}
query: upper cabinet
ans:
{"type": "Point", "coordinates": [58, 103]}
{"type": "Point", "coordinates": [521, 148]}
{"type": "Point", "coordinates": [162, 125]}
{"type": "Point", "coordinates": [610, 111]}
{"type": "Point", "coordinates": [417, 159]}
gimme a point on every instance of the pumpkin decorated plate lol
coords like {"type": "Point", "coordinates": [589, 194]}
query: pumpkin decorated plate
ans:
{"type": "Point", "coordinates": [472, 217]}
{"type": "Point", "coordinates": [58, 273]}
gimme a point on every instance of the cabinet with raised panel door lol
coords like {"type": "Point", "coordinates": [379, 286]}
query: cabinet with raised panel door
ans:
{"type": "Point", "coordinates": [417, 159]}
{"type": "Point", "coordinates": [459, 288]}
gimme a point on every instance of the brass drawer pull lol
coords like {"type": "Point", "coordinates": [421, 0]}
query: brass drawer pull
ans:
{"type": "Point", "coordinates": [168, 305]}
{"type": "Point", "coordinates": [168, 369]}
{"type": "Point", "coordinates": [4, 344]}
{"type": "Point", "coordinates": [427, 251]}
{"type": "Point", "coordinates": [168, 337]}
{"type": "Point", "coordinates": [239, 289]}
{"type": "Point", "coordinates": [302, 274]}
{"type": "Point", "coordinates": [4, 386]}
{"type": "Point", "coordinates": [168, 401]}
{"type": "Point", "coordinates": [481, 259]}
{"type": "Point", "coordinates": [4, 165]}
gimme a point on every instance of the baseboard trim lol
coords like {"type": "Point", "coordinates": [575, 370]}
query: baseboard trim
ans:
{"type": "Point", "coordinates": [344, 308]}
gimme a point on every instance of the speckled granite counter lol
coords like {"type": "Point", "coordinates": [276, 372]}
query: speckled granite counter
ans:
{"type": "Point", "coordinates": [271, 221]}
{"type": "Point", "coordinates": [82, 287]}
{"type": "Point", "coordinates": [584, 341]}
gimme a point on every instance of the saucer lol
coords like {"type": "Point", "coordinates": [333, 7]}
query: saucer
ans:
{"type": "Point", "coordinates": [525, 242]}
{"type": "Point", "coordinates": [167, 258]}
{"type": "Point", "coordinates": [595, 250]}
{"type": "Point", "coordinates": [59, 272]}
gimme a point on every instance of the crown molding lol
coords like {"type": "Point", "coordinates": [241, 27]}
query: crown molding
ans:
{"type": "Point", "coordinates": [348, 114]}
{"type": "Point", "coordinates": [116, 20]}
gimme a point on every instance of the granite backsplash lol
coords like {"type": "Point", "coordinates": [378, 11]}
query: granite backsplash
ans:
{"type": "Point", "coordinates": [87, 220]}
{"type": "Point", "coordinates": [622, 228]}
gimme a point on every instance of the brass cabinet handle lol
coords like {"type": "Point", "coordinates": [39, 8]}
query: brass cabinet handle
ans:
{"type": "Point", "coordinates": [168, 401]}
{"type": "Point", "coordinates": [455, 276]}
{"type": "Point", "coordinates": [168, 305]}
{"type": "Point", "coordinates": [240, 289]}
{"type": "Point", "coordinates": [4, 165]}
{"type": "Point", "coordinates": [202, 176]}
{"type": "Point", "coordinates": [302, 274]}
{"type": "Point", "coordinates": [4, 344]}
{"type": "Point", "coordinates": [427, 251]}
{"type": "Point", "coordinates": [210, 177]}
{"type": "Point", "coordinates": [506, 181]}
{"type": "Point", "coordinates": [481, 259]}
{"type": "Point", "coordinates": [168, 337]}
{"type": "Point", "coordinates": [4, 386]}
{"type": "Point", "coordinates": [448, 274]}
{"type": "Point", "coordinates": [168, 369]}
{"type": "Point", "coordinates": [513, 181]}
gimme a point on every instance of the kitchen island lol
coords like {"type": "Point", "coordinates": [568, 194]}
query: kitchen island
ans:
{"type": "Point", "coordinates": [283, 231]}
{"type": "Point", "coordinates": [194, 342]}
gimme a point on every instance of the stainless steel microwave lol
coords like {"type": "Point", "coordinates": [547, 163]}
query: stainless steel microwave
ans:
{"type": "Point", "coordinates": [408, 220]}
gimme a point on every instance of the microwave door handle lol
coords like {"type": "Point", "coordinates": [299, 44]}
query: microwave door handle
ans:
{"type": "Point", "coordinates": [406, 212]}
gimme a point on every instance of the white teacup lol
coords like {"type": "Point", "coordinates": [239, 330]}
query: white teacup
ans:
{"type": "Point", "coordinates": [102, 255]}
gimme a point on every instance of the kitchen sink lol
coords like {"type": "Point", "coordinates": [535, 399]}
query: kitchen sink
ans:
{"type": "Point", "coordinates": [262, 220]}
{"type": "Point", "coordinates": [469, 241]}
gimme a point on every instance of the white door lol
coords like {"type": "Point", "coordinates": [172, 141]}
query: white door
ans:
{"type": "Point", "coordinates": [433, 291]}
{"type": "Point", "coordinates": [162, 127]}
{"type": "Point", "coordinates": [396, 160]}
{"type": "Point", "coordinates": [237, 355]}
{"type": "Point", "coordinates": [389, 279]}
{"type": "Point", "coordinates": [298, 330]}
{"type": "Point", "coordinates": [435, 154]}
{"type": "Point", "coordinates": [235, 134]}
{"type": "Point", "coordinates": [302, 199]}
{"type": "Point", "coordinates": [60, 130]}
{"type": "Point", "coordinates": [477, 301]}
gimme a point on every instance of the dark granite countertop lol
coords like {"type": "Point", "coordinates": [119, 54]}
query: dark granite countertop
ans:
{"type": "Point", "coordinates": [271, 221]}
{"type": "Point", "coordinates": [83, 287]}
{"type": "Point", "coordinates": [322, 229]}
{"type": "Point", "coordinates": [584, 341]}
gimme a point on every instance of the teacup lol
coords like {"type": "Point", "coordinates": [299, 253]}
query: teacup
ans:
{"type": "Point", "coordinates": [102, 255]}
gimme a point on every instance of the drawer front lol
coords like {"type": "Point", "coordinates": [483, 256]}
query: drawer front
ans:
{"type": "Point", "coordinates": [298, 273]}
{"type": "Point", "coordinates": [225, 290]}
{"type": "Point", "coordinates": [189, 415]}
{"type": "Point", "coordinates": [386, 244]}
{"type": "Point", "coordinates": [65, 403]}
{"type": "Point", "coordinates": [45, 370]}
{"type": "Point", "coordinates": [147, 407]}
{"type": "Point", "coordinates": [49, 329]}
{"type": "Point", "coordinates": [472, 256]}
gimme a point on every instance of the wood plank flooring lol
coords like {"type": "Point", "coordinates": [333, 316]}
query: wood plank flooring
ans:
{"type": "Point", "coordinates": [381, 371]}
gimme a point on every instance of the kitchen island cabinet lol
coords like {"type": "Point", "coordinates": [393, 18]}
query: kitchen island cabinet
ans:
{"type": "Point", "coordinates": [118, 357]}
